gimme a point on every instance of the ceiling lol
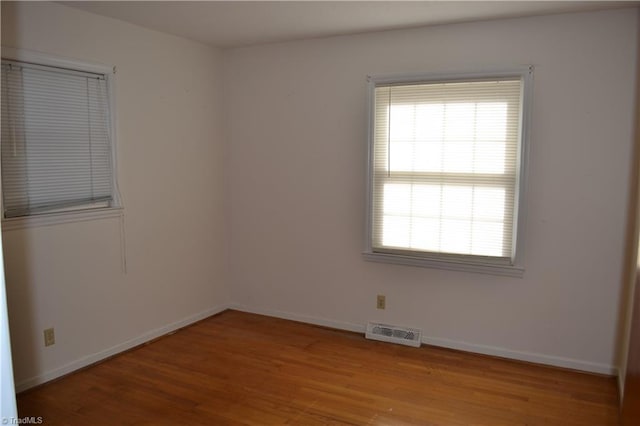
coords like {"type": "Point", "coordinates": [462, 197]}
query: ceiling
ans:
{"type": "Point", "coordinates": [242, 23]}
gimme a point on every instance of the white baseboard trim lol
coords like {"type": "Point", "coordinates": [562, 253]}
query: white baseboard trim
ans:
{"type": "Point", "coordinates": [340, 325]}
{"type": "Point", "coordinates": [533, 357]}
{"type": "Point", "coordinates": [93, 358]}
{"type": "Point", "coordinates": [537, 358]}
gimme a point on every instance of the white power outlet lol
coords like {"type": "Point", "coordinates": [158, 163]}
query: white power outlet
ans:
{"type": "Point", "coordinates": [49, 337]}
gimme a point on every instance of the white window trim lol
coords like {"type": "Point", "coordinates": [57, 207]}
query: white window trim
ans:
{"type": "Point", "coordinates": [47, 219]}
{"type": "Point", "coordinates": [457, 263]}
{"type": "Point", "coordinates": [116, 210]}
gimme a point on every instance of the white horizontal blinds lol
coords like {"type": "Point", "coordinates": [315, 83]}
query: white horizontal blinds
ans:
{"type": "Point", "coordinates": [12, 146]}
{"type": "Point", "coordinates": [445, 167]}
{"type": "Point", "coordinates": [56, 150]}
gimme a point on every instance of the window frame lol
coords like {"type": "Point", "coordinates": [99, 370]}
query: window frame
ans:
{"type": "Point", "coordinates": [478, 264]}
{"type": "Point", "coordinates": [77, 213]}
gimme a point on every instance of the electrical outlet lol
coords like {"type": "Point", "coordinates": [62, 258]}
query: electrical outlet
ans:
{"type": "Point", "coordinates": [49, 337]}
{"type": "Point", "coordinates": [382, 301]}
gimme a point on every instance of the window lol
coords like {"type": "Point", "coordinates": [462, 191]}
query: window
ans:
{"type": "Point", "coordinates": [446, 171]}
{"type": "Point", "coordinates": [56, 143]}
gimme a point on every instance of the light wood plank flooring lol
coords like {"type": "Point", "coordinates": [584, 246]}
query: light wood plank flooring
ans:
{"type": "Point", "coordinates": [239, 368]}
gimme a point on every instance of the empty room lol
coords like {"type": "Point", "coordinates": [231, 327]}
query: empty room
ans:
{"type": "Point", "coordinates": [311, 213]}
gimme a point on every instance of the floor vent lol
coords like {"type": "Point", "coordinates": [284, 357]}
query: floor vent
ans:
{"type": "Point", "coordinates": [393, 334]}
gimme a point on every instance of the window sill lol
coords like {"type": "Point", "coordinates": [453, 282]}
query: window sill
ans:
{"type": "Point", "coordinates": [61, 217]}
{"type": "Point", "coordinates": [482, 268]}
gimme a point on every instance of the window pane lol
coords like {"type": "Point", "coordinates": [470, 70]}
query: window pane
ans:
{"type": "Point", "coordinates": [457, 201]}
{"type": "Point", "coordinates": [429, 122]}
{"type": "Point", "coordinates": [397, 199]}
{"type": "Point", "coordinates": [396, 231]}
{"type": "Point", "coordinates": [487, 239]}
{"type": "Point", "coordinates": [426, 201]}
{"type": "Point", "coordinates": [401, 156]}
{"type": "Point", "coordinates": [425, 234]}
{"type": "Point", "coordinates": [489, 157]}
{"type": "Point", "coordinates": [402, 123]}
{"type": "Point", "coordinates": [428, 156]}
{"type": "Point", "coordinates": [458, 157]}
{"type": "Point", "coordinates": [456, 219]}
{"type": "Point", "coordinates": [488, 204]}
{"type": "Point", "coordinates": [456, 236]}
{"type": "Point", "coordinates": [459, 122]}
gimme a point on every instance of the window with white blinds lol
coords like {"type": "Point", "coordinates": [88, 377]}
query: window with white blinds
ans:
{"type": "Point", "coordinates": [56, 148]}
{"type": "Point", "coordinates": [446, 168]}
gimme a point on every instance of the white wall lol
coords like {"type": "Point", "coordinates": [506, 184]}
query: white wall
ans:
{"type": "Point", "coordinates": [171, 170]}
{"type": "Point", "coordinates": [280, 163]}
{"type": "Point", "coordinates": [297, 140]}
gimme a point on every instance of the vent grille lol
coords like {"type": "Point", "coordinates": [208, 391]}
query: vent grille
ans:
{"type": "Point", "coordinates": [394, 334]}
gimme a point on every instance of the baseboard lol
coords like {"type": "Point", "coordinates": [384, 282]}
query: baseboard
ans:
{"type": "Point", "coordinates": [340, 325]}
{"type": "Point", "coordinates": [537, 358]}
{"type": "Point", "coordinates": [93, 358]}
{"type": "Point", "coordinates": [574, 364]}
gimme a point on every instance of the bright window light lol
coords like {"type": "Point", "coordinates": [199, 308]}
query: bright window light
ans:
{"type": "Point", "coordinates": [445, 168]}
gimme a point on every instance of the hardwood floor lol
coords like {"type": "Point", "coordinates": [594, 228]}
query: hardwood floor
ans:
{"type": "Point", "coordinates": [239, 368]}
